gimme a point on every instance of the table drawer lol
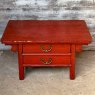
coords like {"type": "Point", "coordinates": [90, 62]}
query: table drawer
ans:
{"type": "Point", "coordinates": [46, 48]}
{"type": "Point", "coordinates": [31, 60]}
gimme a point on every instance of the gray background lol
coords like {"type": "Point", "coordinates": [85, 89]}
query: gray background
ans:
{"type": "Point", "coordinates": [48, 9]}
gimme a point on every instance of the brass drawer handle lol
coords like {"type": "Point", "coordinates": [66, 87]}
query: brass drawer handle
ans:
{"type": "Point", "coordinates": [46, 50]}
{"type": "Point", "coordinates": [46, 62]}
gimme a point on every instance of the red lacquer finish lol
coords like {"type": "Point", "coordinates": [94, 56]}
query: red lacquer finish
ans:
{"type": "Point", "coordinates": [46, 60]}
{"type": "Point", "coordinates": [51, 48]}
{"type": "Point", "coordinates": [46, 43]}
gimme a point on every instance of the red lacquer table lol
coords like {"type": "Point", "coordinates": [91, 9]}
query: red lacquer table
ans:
{"type": "Point", "coordinates": [46, 43]}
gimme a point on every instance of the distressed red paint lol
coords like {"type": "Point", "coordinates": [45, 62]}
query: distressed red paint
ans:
{"type": "Point", "coordinates": [46, 43]}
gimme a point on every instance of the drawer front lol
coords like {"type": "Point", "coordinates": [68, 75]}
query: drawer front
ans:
{"type": "Point", "coordinates": [29, 60]}
{"type": "Point", "coordinates": [46, 48]}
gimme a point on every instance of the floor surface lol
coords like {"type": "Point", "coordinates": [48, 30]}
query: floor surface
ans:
{"type": "Point", "coordinates": [47, 81]}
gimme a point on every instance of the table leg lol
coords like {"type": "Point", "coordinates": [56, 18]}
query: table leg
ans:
{"type": "Point", "coordinates": [20, 61]}
{"type": "Point", "coordinates": [72, 67]}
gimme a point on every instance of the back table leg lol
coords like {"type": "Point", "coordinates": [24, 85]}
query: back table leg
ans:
{"type": "Point", "coordinates": [72, 67]}
{"type": "Point", "coordinates": [20, 60]}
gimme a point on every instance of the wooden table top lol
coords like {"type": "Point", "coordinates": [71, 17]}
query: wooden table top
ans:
{"type": "Point", "coordinates": [46, 31]}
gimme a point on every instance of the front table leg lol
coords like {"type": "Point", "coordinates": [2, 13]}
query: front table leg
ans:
{"type": "Point", "coordinates": [20, 61]}
{"type": "Point", "coordinates": [72, 67]}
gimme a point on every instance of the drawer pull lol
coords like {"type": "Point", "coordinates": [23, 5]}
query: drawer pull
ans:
{"type": "Point", "coordinates": [46, 62]}
{"type": "Point", "coordinates": [46, 50]}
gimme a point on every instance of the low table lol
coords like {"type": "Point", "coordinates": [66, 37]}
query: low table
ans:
{"type": "Point", "coordinates": [46, 43]}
